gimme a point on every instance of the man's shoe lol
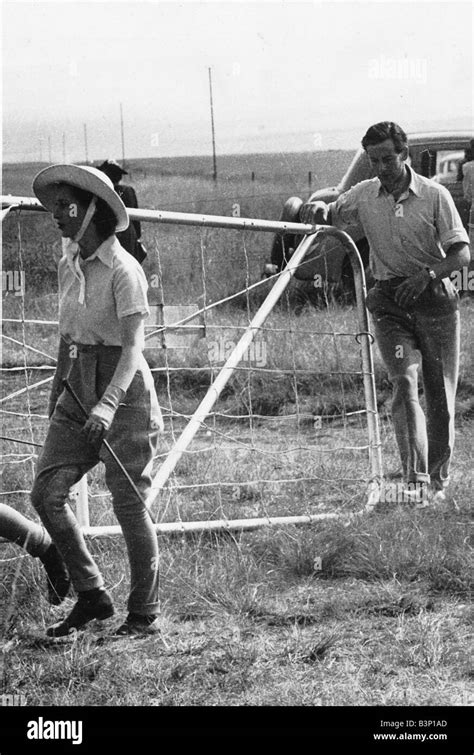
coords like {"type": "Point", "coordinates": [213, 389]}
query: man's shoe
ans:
{"type": "Point", "coordinates": [437, 491]}
{"type": "Point", "coordinates": [136, 625]}
{"type": "Point", "coordinates": [57, 575]}
{"type": "Point", "coordinates": [416, 494]}
{"type": "Point", "coordinates": [437, 497]}
{"type": "Point", "coordinates": [92, 604]}
{"type": "Point", "coordinates": [394, 494]}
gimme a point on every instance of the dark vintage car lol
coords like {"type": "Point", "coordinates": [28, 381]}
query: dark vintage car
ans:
{"type": "Point", "coordinates": [436, 155]}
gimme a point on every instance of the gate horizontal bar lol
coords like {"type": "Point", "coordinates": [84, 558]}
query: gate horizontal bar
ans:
{"type": "Point", "coordinates": [185, 218]}
{"type": "Point", "coordinates": [223, 525]}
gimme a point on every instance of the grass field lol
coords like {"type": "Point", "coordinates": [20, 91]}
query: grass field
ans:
{"type": "Point", "coordinates": [374, 610]}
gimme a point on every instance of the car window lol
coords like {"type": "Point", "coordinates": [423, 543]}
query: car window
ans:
{"type": "Point", "coordinates": [443, 164]}
{"type": "Point", "coordinates": [448, 166]}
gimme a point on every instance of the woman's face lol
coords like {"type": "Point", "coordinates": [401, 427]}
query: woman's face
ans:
{"type": "Point", "coordinates": [68, 211]}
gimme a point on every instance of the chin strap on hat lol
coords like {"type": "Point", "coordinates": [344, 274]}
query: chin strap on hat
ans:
{"type": "Point", "coordinates": [87, 219]}
{"type": "Point", "coordinates": [73, 250]}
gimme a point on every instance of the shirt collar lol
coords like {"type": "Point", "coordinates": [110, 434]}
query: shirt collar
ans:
{"type": "Point", "coordinates": [414, 186]}
{"type": "Point", "coordinates": [105, 252]}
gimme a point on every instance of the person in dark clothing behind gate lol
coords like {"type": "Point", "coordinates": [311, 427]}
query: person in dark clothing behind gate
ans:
{"type": "Point", "coordinates": [131, 238]}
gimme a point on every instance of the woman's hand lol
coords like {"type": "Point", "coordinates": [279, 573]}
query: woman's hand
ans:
{"type": "Point", "coordinates": [132, 336]}
{"type": "Point", "coordinates": [94, 430]}
{"type": "Point", "coordinates": [103, 413]}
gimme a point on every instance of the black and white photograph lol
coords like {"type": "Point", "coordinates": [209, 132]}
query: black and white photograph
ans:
{"type": "Point", "coordinates": [237, 405]}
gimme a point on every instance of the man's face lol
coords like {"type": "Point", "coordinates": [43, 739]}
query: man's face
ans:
{"type": "Point", "coordinates": [68, 212]}
{"type": "Point", "coordinates": [387, 164]}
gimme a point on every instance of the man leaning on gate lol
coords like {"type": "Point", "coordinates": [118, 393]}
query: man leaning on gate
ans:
{"type": "Point", "coordinates": [416, 241]}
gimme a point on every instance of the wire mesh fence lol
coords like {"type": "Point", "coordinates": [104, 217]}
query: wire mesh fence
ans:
{"type": "Point", "coordinates": [290, 432]}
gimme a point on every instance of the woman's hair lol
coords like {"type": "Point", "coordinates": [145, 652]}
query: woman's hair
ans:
{"type": "Point", "coordinates": [104, 217]}
{"type": "Point", "coordinates": [384, 130]}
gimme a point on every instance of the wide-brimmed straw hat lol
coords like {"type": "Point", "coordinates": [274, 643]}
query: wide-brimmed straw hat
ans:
{"type": "Point", "coordinates": [83, 177]}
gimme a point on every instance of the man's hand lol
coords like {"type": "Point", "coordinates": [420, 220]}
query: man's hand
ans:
{"type": "Point", "coordinates": [408, 292]}
{"type": "Point", "coordinates": [314, 212]}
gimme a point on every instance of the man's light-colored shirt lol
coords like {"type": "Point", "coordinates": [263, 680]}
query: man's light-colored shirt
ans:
{"type": "Point", "coordinates": [404, 236]}
{"type": "Point", "coordinates": [109, 285]}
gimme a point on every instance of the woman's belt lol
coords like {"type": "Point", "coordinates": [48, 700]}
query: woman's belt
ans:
{"type": "Point", "coordinates": [96, 348]}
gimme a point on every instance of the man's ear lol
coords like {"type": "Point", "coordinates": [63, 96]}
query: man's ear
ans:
{"type": "Point", "coordinates": [404, 152]}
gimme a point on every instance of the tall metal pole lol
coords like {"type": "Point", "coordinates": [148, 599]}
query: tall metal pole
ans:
{"type": "Point", "coordinates": [123, 140]}
{"type": "Point", "coordinates": [64, 147]}
{"type": "Point", "coordinates": [212, 125]}
{"type": "Point", "coordinates": [85, 144]}
{"type": "Point", "coordinates": [49, 150]}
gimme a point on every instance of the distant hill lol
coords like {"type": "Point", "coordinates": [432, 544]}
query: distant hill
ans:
{"type": "Point", "coordinates": [264, 165]}
{"type": "Point", "coordinates": [288, 167]}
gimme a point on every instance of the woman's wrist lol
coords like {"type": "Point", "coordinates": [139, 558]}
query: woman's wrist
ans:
{"type": "Point", "coordinates": [105, 410]}
{"type": "Point", "coordinates": [113, 395]}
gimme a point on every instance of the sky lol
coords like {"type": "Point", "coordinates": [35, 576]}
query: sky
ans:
{"type": "Point", "coordinates": [286, 76]}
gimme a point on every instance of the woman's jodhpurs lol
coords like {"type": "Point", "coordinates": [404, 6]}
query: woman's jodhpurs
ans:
{"type": "Point", "coordinates": [67, 456]}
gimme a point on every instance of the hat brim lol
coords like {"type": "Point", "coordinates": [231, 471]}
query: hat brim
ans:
{"type": "Point", "coordinates": [83, 177]}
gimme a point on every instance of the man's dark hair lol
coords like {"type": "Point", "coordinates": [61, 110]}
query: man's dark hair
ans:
{"type": "Point", "coordinates": [385, 130]}
{"type": "Point", "coordinates": [104, 218]}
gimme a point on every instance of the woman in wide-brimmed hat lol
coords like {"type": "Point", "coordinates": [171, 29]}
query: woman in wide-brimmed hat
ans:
{"type": "Point", "coordinates": [102, 306]}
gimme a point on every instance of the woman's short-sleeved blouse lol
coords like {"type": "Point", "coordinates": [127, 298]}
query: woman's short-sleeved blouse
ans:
{"type": "Point", "coordinates": [114, 286]}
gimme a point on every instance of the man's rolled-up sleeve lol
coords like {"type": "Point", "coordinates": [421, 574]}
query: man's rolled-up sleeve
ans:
{"type": "Point", "coordinates": [448, 222]}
